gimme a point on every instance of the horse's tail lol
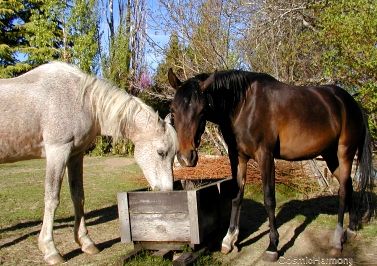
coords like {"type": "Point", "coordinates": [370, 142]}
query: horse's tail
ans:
{"type": "Point", "coordinates": [366, 202]}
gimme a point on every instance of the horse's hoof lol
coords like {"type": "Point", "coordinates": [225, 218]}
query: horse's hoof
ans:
{"type": "Point", "coordinates": [270, 256]}
{"type": "Point", "coordinates": [225, 249]}
{"type": "Point", "coordinates": [90, 249]}
{"type": "Point", "coordinates": [350, 234]}
{"type": "Point", "coordinates": [54, 259]}
{"type": "Point", "coordinates": [336, 252]}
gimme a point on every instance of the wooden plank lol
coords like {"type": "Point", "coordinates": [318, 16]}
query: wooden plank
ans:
{"type": "Point", "coordinates": [163, 253]}
{"type": "Point", "coordinates": [124, 218]}
{"type": "Point", "coordinates": [208, 211]}
{"type": "Point", "coordinates": [160, 227]}
{"type": "Point", "coordinates": [156, 245]}
{"type": "Point", "coordinates": [188, 258]}
{"type": "Point", "coordinates": [158, 202]}
{"type": "Point", "coordinates": [129, 256]}
{"type": "Point", "coordinates": [193, 214]}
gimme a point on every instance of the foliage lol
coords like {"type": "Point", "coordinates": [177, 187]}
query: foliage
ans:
{"type": "Point", "coordinates": [12, 37]}
{"type": "Point", "coordinates": [349, 31]}
{"type": "Point", "coordinates": [171, 60]}
{"type": "Point", "coordinates": [39, 31]}
{"type": "Point", "coordinates": [83, 26]}
{"type": "Point", "coordinates": [116, 65]}
{"type": "Point", "coordinates": [43, 32]}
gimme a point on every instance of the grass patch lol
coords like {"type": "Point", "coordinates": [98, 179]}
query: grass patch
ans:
{"type": "Point", "coordinates": [22, 188]}
{"type": "Point", "coordinates": [145, 258]}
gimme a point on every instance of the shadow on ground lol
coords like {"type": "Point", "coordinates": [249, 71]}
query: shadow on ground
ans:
{"type": "Point", "coordinates": [253, 216]}
{"type": "Point", "coordinates": [94, 217]}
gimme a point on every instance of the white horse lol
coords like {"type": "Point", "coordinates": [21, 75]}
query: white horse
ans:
{"type": "Point", "coordinates": [55, 112]}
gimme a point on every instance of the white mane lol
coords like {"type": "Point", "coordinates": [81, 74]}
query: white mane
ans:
{"type": "Point", "coordinates": [115, 108]}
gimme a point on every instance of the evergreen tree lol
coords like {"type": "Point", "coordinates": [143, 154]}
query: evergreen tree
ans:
{"type": "Point", "coordinates": [39, 31]}
{"type": "Point", "coordinates": [173, 54]}
{"type": "Point", "coordinates": [83, 27]}
{"type": "Point", "coordinates": [12, 40]}
{"type": "Point", "coordinates": [43, 31]}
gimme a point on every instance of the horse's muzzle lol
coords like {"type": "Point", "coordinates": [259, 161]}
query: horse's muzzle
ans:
{"type": "Point", "coordinates": [189, 159]}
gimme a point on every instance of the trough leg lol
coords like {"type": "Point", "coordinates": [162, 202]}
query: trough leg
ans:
{"type": "Point", "coordinates": [231, 237]}
{"type": "Point", "coordinates": [75, 176]}
{"type": "Point", "coordinates": [56, 158]}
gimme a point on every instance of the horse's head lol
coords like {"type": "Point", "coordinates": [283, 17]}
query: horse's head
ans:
{"type": "Point", "coordinates": [155, 153]}
{"type": "Point", "coordinates": [188, 110]}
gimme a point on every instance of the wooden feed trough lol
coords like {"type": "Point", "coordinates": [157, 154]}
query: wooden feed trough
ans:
{"type": "Point", "coordinates": [169, 220]}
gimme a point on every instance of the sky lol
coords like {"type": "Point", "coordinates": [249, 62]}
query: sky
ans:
{"type": "Point", "coordinates": [159, 37]}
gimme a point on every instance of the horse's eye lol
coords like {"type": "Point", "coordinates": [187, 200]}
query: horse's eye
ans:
{"type": "Point", "coordinates": [162, 153]}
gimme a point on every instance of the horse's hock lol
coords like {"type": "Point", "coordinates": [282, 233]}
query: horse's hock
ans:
{"type": "Point", "coordinates": [170, 220]}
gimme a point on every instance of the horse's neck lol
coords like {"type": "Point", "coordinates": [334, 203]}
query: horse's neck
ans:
{"type": "Point", "coordinates": [132, 128]}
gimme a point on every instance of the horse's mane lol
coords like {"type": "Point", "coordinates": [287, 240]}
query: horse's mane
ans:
{"type": "Point", "coordinates": [230, 86]}
{"type": "Point", "coordinates": [114, 107]}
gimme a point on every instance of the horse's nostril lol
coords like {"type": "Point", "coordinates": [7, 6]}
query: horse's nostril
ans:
{"type": "Point", "coordinates": [193, 158]}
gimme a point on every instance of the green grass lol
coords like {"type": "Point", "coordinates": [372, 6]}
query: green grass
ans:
{"type": "Point", "coordinates": [145, 258]}
{"type": "Point", "coordinates": [22, 188]}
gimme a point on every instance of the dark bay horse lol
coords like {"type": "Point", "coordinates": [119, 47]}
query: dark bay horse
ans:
{"type": "Point", "coordinates": [262, 119]}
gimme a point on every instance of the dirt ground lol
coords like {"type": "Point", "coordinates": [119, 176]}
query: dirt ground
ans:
{"type": "Point", "coordinates": [302, 241]}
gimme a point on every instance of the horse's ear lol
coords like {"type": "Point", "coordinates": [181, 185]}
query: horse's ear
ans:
{"type": "Point", "coordinates": [205, 84]}
{"type": "Point", "coordinates": [173, 80]}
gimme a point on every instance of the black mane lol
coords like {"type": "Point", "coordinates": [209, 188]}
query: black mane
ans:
{"type": "Point", "coordinates": [229, 87]}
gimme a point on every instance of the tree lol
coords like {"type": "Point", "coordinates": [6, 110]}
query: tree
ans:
{"type": "Point", "coordinates": [83, 31]}
{"type": "Point", "coordinates": [12, 38]}
{"type": "Point", "coordinates": [123, 58]}
{"type": "Point", "coordinates": [207, 31]}
{"type": "Point", "coordinates": [43, 32]}
{"type": "Point", "coordinates": [348, 30]}
{"type": "Point", "coordinates": [39, 31]}
{"type": "Point", "coordinates": [171, 60]}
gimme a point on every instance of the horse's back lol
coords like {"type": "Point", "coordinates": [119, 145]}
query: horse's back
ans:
{"type": "Point", "coordinates": [38, 107]}
{"type": "Point", "coordinates": [300, 122]}
{"type": "Point", "coordinates": [316, 119]}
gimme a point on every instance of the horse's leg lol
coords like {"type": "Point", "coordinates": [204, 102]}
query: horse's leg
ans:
{"type": "Point", "coordinates": [353, 223]}
{"type": "Point", "coordinates": [231, 237]}
{"type": "Point", "coordinates": [340, 165]}
{"type": "Point", "coordinates": [267, 167]}
{"type": "Point", "coordinates": [75, 176]}
{"type": "Point", "coordinates": [56, 159]}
